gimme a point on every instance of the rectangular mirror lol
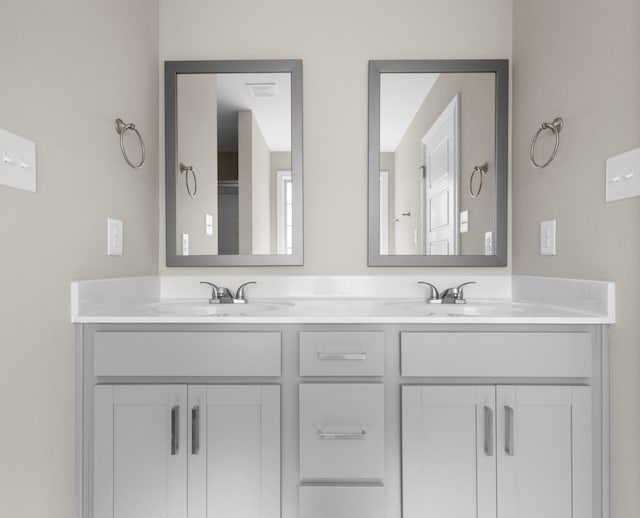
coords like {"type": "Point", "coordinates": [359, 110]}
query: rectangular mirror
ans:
{"type": "Point", "coordinates": [233, 163]}
{"type": "Point", "coordinates": [438, 140]}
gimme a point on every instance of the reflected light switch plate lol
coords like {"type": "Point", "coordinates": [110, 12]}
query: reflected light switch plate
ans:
{"type": "Point", "coordinates": [185, 244]}
{"type": "Point", "coordinates": [208, 224]}
{"type": "Point", "coordinates": [464, 221]}
{"type": "Point", "coordinates": [488, 243]}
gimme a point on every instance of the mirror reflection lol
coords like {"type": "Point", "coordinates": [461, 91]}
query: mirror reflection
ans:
{"type": "Point", "coordinates": [436, 167]}
{"type": "Point", "coordinates": [235, 178]}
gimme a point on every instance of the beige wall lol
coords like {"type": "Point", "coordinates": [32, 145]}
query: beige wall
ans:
{"type": "Point", "coordinates": [70, 68]}
{"type": "Point", "coordinates": [197, 122]}
{"type": "Point", "coordinates": [580, 60]}
{"type": "Point", "coordinates": [335, 40]}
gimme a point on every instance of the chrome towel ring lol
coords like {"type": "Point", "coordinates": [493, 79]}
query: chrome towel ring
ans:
{"type": "Point", "coordinates": [185, 170]}
{"type": "Point", "coordinates": [121, 129]}
{"type": "Point", "coordinates": [555, 127]}
{"type": "Point", "coordinates": [482, 169]}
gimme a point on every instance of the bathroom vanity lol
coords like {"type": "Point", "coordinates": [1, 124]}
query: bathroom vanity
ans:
{"type": "Point", "coordinates": [343, 407]}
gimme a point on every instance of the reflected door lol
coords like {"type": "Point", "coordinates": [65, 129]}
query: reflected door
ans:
{"type": "Point", "coordinates": [440, 168]}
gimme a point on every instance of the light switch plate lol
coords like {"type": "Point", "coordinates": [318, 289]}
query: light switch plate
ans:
{"type": "Point", "coordinates": [464, 221]}
{"type": "Point", "coordinates": [115, 236]}
{"type": "Point", "coordinates": [623, 175]}
{"type": "Point", "coordinates": [208, 224]}
{"type": "Point", "coordinates": [548, 237]}
{"type": "Point", "coordinates": [488, 243]}
{"type": "Point", "coordinates": [185, 244]}
{"type": "Point", "coordinates": [17, 162]}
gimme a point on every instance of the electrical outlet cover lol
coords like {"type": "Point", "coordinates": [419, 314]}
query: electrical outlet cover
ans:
{"type": "Point", "coordinates": [548, 237]}
{"type": "Point", "coordinates": [115, 236]}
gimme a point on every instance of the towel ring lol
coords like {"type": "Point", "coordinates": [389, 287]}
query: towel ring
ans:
{"type": "Point", "coordinates": [555, 127]}
{"type": "Point", "coordinates": [482, 169]}
{"type": "Point", "coordinates": [121, 129]}
{"type": "Point", "coordinates": [185, 170]}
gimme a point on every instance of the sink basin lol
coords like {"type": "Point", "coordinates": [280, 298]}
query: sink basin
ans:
{"type": "Point", "coordinates": [201, 308]}
{"type": "Point", "coordinates": [476, 308]}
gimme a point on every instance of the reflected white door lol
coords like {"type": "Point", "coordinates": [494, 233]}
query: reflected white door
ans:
{"type": "Point", "coordinates": [441, 173]}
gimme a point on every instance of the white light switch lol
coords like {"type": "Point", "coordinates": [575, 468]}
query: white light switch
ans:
{"type": "Point", "coordinates": [115, 236]}
{"type": "Point", "coordinates": [17, 162]}
{"type": "Point", "coordinates": [208, 224]}
{"type": "Point", "coordinates": [623, 176]}
{"type": "Point", "coordinates": [548, 237]}
{"type": "Point", "coordinates": [185, 244]}
{"type": "Point", "coordinates": [488, 243]}
{"type": "Point", "coordinates": [464, 221]}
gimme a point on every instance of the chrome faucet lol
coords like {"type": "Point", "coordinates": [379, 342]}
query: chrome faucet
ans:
{"type": "Point", "coordinates": [222, 295]}
{"type": "Point", "coordinates": [453, 295]}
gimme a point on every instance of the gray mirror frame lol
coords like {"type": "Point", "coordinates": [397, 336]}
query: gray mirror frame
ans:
{"type": "Point", "coordinates": [171, 70]}
{"type": "Point", "coordinates": [501, 68]}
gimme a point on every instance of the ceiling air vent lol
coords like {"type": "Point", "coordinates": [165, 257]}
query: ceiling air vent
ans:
{"type": "Point", "coordinates": [263, 89]}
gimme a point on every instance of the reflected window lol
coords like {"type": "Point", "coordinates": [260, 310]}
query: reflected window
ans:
{"type": "Point", "coordinates": [284, 220]}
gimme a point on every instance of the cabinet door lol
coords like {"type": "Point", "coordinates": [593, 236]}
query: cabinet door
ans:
{"type": "Point", "coordinates": [448, 452]}
{"type": "Point", "coordinates": [234, 451]}
{"type": "Point", "coordinates": [140, 458]}
{"type": "Point", "coordinates": [544, 452]}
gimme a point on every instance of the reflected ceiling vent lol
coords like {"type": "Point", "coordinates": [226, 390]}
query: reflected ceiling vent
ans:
{"type": "Point", "coordinates": [263, 89]}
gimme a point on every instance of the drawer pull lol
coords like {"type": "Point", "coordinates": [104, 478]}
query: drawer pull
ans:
{"type": "Point", "coordinates": [342, 356]}
{"type": "Point", "coordinates": [175, 440]}
{"type": "Point", "coordinates": [488, 431]}
{"type": "Point", "coordinates": [357, 436]}
{"type": "Point", "coordinates": [508, 433]}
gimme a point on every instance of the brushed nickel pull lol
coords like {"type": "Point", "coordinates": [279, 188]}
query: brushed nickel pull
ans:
{"type": "Point", "coordinates": [508, 433]}
{"type": "Point", "coordinates": [325, 436]}
{"type": "Point", "coordinates": [175, 430]}
{"type": "Point", "coordinates": [488, 431]}
{"type": "Point", "coordinates": [195, 430]}
{"type": "Point", "coordinates": [342, 356]}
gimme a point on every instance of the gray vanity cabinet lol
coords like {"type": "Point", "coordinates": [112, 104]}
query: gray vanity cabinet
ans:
{"type": "Point", "coordinates": [185, 424]}
{"type": "Point", "coordinates": [317, 420]}
{"type": "Point", "coordinates": [177, 451]}
{"type": "Point", "coordinates": [487, 451]}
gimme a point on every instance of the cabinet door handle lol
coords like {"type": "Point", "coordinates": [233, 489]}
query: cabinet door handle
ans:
{"type": "Point", "coordinates": [488, 431]}
{"type": "Point", "coordinates": [326, 436]}
{"type": "Point", "coordinates": [342, 356]}
{"type": "Point", "coordinates": [175, 440]}
{"type": "Point", "coordinates": [508, 430]}
{"type": "Point", "coordinates": [195, 430]}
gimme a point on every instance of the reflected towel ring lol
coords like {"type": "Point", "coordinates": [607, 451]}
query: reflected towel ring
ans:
{"type": "Point", "coordinates": [482, 169]}
{"type": "Point", "coordinates": [555, 127]}
{"type": "Point", "coordinates": [121, 129]}
{"type": "Point", "coordinates": [185, 170]}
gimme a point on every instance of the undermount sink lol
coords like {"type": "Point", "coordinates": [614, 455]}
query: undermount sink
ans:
{"type": "Point", "coordinates": [201, 308]}
{"type": "Point", "coordinates": [476, 308]}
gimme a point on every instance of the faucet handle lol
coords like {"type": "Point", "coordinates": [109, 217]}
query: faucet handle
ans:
{"type": "Point", "coordinates": [215, 292]}
{"type": "Point", "coordinates": [460, 294]}
{"type": "Point", "coordinates": [434, 295]}
{"type": "Point", "coordinates": [240, 298]}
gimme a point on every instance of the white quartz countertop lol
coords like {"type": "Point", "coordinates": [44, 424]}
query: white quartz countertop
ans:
{"type": "Point", "coordinates": [533, 300]}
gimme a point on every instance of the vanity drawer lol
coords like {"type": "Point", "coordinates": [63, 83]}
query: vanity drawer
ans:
{"type": "Point", "coordinates": [474, 354]}
{"type": "Point", "coordinates": [174, 353]}
{"type": "Point", "coordinates": [341, 430]}
{"type": "Point", "coordinates": [341, 502]}
{"type": "Point", "coordinates": [348, 353]}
